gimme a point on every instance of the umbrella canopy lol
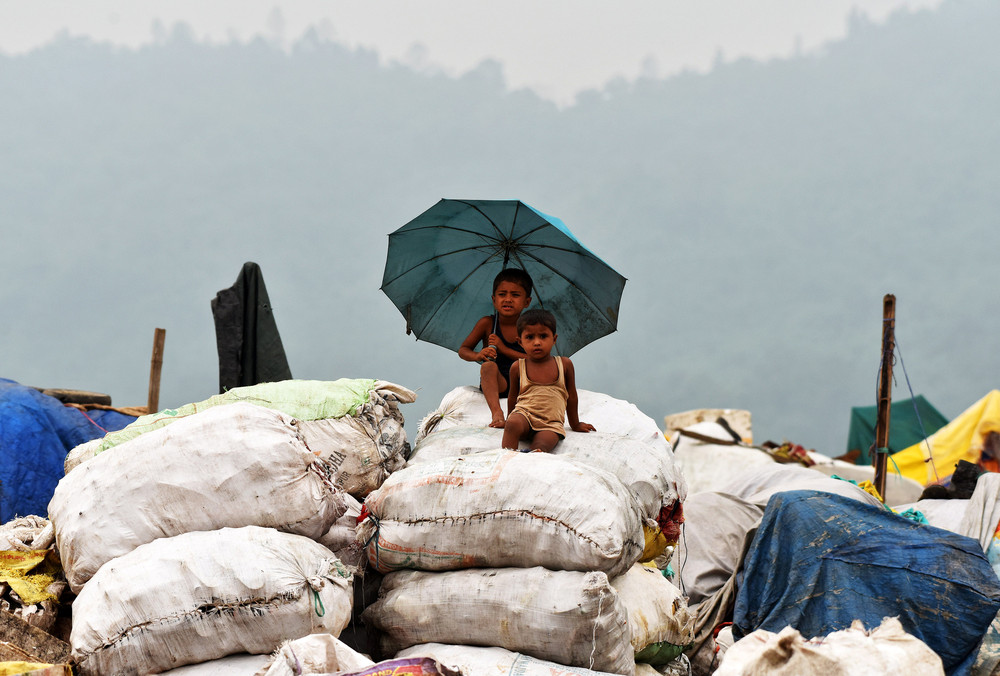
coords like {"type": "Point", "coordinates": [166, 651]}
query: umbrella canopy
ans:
{"type": "Point", "coordinates": [440, 268]}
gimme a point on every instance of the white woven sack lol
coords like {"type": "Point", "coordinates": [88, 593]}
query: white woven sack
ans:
{"type": "Point", "coordinates": [944, 514]}
{"type": "Point", "coordinates": [342, 538]}
{"type": "Point", "coordinates": [885, 651]}
{"type": "Point", "coordinates": [231, 665]}
{"type": "Point", "coordinates": [474, 661]}
{"type": "Point", "coordinates": [647, 469]}
{"type": "Point", "coordinates": [201, 596]}
{"type": "Point", "coordinates": [568, 617]}
{"type": "Point", "coordinates": [229, 466]}
{"type": "Point", "coordinates": [363, 449]}
{"type": "Point", "coordinates": [466, 407]}
{"type": "Point", "coordinates": [315, 654]}
{"type": "Point", "coordinates": [657, 611]}
{"type": "Point", "coordinates": [80, 454]}
{"type": "Point", "coordinates": [502, 508]}
{"type": "Point", "coordinates": [757, 485]}
{"type": "Point", "coordinates": [707, 466]}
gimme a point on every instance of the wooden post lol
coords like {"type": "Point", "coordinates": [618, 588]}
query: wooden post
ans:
{"type": "Point", "coordinates": [885, 391]}
{"type": "Point", "coordinates": [155, 364]}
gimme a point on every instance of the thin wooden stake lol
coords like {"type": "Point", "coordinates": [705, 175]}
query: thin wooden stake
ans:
{"type": "Point", "coordinates": [885, 392]}
{"type": "Point", "coordinates": [155, 364]}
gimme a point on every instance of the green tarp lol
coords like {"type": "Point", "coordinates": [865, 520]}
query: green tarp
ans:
{"type": "Point", "coordinates": [905, 419]}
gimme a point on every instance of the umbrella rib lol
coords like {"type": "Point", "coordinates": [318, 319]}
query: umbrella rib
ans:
{"type": "Point", "coordinates": [445, 226]}
{"type": "Point", "coordinates": [483, 214]}
{"type": "Point", "coordinates": [542, 226]}
{"type": "Point", "coordinates": [567, 279]}
{"type": "Point", "coordinates": [436, 257]}
{"type": "Point", "coordinates": [451, 293]}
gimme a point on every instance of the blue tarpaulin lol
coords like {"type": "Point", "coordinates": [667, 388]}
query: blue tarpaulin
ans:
{"type": "Point", "coordinates": [820, 561]}
{"type": "Point", "coordinates": [36, 433]}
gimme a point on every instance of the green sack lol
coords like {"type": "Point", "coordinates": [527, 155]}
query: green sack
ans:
{"type": "Point", "coordinates": [301, 399]}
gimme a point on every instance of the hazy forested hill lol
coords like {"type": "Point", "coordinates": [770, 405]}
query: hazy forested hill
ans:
{"type": "Point", "coordinates": [760, 213]}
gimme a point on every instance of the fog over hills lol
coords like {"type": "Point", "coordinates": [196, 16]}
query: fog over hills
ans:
{"type": "Point", "coordinates": [760, 213]}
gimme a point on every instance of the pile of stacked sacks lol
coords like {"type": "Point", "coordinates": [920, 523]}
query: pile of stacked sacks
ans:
{"type": "Point", "coordinates": [799, 569]}
{"type": "Point", "coordinates": [504, 562]}
{"type": "Point", "coordinates": [225, 526]}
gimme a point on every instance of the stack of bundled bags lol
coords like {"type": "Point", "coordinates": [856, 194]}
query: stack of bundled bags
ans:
{"type": "Point", "coordinates": [225, 526]}
{"type": "Point", "coordinates": [497, 561]}
{"type": "Point", "coordinates": [800, 569]}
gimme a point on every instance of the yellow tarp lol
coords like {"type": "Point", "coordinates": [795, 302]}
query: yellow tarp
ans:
{"type": "Point", "coordinates": [961, 439]}
{"type": "Point", "coordinates": [14, 668]}
{"type": "Point", "coordinates": [30, 573]}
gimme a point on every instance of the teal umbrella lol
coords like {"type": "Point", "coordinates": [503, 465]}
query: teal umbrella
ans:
{"type": "Point", "coordinates": [440, 267]}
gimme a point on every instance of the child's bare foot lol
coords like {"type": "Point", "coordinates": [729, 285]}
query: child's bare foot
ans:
{"type": "Point", "coordinates": [498, 420]}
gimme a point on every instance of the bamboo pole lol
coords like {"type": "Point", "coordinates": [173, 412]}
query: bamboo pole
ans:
{"type": "Point", "coordinates": [155, 364]}
{"type": "Point", "coordinates": [885, 392]}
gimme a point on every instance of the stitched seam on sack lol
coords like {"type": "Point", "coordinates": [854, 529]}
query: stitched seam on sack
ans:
{"type": "Point", "coordinates": [256, 606]}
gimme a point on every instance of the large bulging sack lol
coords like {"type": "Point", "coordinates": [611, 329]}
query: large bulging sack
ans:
{"type": "Point", "coordinates": [502, 508]}
{"type": "Point", "coordinates": [230, 466]}
{"type": "Point", "coordinates": [660, 624]}
{"type": "Point", "coordinates": [342, 538]}
{"type": "Point", "coordinates": [466, 407]}
{"type": "Point", "coordinates": [648, 470]}
{"type": "Point", "coordinates": [473, 661]}
{"type": "Point", "coordinates": [355, 424]}
{"type": "Point", "coordinates": [563, 616]}
{"type": "Point", "coordinates": [201, 596]}
{"type": "Point", "coordinates": [716, 528]}
{"type": "Point", "coordinates": [885, 651]}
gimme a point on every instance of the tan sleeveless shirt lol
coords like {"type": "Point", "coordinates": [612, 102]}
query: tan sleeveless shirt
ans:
{"type": "Point", "coordinates": [543, 404]}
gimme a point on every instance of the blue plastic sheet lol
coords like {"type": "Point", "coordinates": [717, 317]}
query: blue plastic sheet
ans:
{"type": "Point", "coordinates": [820, 561]}
{"type": "Point", "coordinates": [36, 433]}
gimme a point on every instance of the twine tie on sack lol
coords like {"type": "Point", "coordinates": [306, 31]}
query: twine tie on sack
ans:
{"type": "Point", "coordinates": [593, 650]}
{"type": "Point", "coordinates": [365, 514]}
{"type": "Point", "coordinates": [315, 584]}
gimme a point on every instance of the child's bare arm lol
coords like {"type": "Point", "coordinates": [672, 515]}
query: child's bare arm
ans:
{"type": "Point", "coordinates": [468, 352]}
{"type": "Point", "coordinates": [497, 342]}
{"type": "Point", "coordinates": [515, 387]}
{"type": "Point", "coordinates": [573, 401]}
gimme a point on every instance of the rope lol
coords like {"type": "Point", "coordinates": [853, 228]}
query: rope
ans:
{"type": "Point", "coordinates": [318, 604]}
{"type": "Point", "coordinates": [593, 648]}
{"type": "Point", "coordinates": [365, 514]}
{"type": "Point", "coordinates": [92, 421]}
{"type": "Point", "coordinates": [923, 432]}
{"type": "Point", "coordinates": [916, 411]}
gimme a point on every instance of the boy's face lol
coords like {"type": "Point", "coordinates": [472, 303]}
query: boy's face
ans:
{"type": "Point", "coordinates": [537, 341]}
{"type": "Point", "coordinates": [510, 299]}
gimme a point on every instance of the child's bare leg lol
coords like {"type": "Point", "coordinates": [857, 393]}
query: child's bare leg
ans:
{"type": "Point", "coordinates": [492, 383]}
{"type": "Point", "coordinates": [514, 430]}
{"type": "Point", "coordinates": [544, 441]}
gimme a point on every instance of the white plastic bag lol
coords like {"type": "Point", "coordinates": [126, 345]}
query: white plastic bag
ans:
{"type": "Point", "coordinates": [230, 466]}
{"type": "Point", "coordinates": [502, 508]}
{"type": "Point", "coordinates": [204, 595]}
{"type": "Point", "coordinates": [568, 617]}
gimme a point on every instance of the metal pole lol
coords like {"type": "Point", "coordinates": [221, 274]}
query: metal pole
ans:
{"type": "Point", "coordinates": [885, 392]}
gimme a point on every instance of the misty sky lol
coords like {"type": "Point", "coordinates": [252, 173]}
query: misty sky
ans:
{"type": "Point", "coordinates": [556, 48]}
{"type": "Point", "coordinates": [769, 204]}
